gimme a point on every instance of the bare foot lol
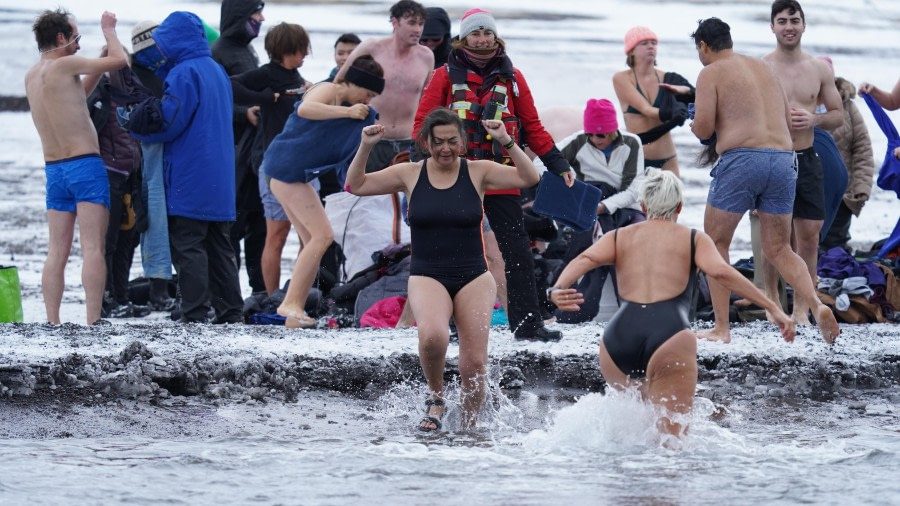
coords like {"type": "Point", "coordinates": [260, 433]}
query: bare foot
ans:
{"type": "Point", "coordinates": [294, 318]}
{"type": "Point", "coordinates": [801, 318]}
{"type": "Point", "coordinates": [715, 334]}
{"type": "Point", "coordinates": [742, 303]}
{"type": "Point", "coordinates": [828, 325]}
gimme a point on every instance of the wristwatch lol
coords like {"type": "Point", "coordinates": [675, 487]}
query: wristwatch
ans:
{"type": "Point", "coordinates": [551, 290]}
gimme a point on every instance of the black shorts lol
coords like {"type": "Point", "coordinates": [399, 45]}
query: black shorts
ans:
{"type": "Point", "coordinates": [809, 201]}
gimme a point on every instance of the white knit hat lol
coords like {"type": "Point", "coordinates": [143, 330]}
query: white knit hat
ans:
{"type": "Point", "coordinates": [141, 35]}
{"type": "Point", "coordinates": [477, 19]}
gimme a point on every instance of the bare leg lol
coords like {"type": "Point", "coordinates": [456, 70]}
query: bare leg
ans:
{"type": "Point", "coordinates": [430, 299]}
{"type": "Point", "coordinates": [407, 318]}
{"type": "Point", "coordinates": [303, 207]}
{"type": "Point", "coordinates": [496, 265]}
{"type": "Point", "coordinates": [276, 235]}
{"type": "Point", "coordinates": [472, 309]}
{"type": "Point", "coordinates": [92, 222]}
{"type": "Point", "coordinates": [719, 225]}
{"type": "Point", "coordinates": [806, 233]}
{"type": "Point", "coordinates": [775, 236]}
{"type": "Point", "coordinates": [613, 376]}
{"type": "Point", "coordinates": [62, 230]}
{"type": "Point", "coordinates": [672, 379]}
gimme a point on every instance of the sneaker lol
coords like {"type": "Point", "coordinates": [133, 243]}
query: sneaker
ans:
{"type": "Point", "coordinates": [127, 310]}
{"type": "Point", "coordinates": [540, 333]}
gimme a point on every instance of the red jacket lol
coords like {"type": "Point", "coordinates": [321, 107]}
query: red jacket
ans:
{"type": "Point", "coordinates": [439, 93]}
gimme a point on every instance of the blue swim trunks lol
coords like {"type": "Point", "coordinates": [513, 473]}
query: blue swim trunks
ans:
{"type": "Point", "coordinates": [77, 179]}
{"type": "Point", "coordinates": [754, 178]}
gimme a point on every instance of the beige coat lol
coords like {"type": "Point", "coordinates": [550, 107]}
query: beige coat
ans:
{"type": "Point", "coordinates": [852, 139]}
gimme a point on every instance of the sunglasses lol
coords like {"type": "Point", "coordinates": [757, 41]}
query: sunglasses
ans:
{"type": "Point", "coordinates": [76, 40]}
{"type": "Point", "coordinates": [599, 136]}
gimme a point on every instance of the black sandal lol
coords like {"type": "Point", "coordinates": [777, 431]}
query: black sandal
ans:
{"type": "Point", "coordinates": [431, 419]}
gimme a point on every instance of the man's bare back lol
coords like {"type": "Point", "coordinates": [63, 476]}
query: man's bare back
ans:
{"type": "Point", "coordinates": [750, 105]}
{"type": "Point", "coordinates": [407, 70]}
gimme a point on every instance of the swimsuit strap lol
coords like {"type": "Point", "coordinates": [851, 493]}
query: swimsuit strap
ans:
{"type": "Point", "coordinates": [693, 250]}
{"type": "Point", "coordinates": [637, 84]}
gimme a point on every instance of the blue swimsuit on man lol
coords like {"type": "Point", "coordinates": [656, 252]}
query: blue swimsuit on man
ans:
{"type": "Point", "coordinates": [445, 231]}
{"type": "Point", "coordinates": [637, 330]}
{"type": "Point", "coordinates": [77, 179]}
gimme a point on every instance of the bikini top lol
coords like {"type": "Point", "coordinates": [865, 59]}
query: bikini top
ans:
{"type": "Point", "coordinates": [655, 103]}
{"type": "Point", "coordinates": [687, 294]}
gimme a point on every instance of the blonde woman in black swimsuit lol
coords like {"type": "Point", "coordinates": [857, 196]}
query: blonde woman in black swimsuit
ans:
{"type": "Point", "coordinates": [649, 342]}
{"type": "Point", "coordinates": [653, 101]}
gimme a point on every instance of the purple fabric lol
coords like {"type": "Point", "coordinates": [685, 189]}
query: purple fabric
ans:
{"type": "Point", "coordinates": [836, 263]}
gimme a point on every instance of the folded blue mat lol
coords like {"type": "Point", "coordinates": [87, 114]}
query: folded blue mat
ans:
{"type": "Point", "coordinates": [575, 206]}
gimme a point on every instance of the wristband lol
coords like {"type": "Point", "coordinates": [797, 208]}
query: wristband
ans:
{"type": "Point", "coordinates": [509, 145]}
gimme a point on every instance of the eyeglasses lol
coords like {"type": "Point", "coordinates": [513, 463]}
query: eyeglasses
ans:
{"type": "Point", "coordinates": [599, 136]}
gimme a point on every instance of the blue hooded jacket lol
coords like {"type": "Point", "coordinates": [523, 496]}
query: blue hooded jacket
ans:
{"type": "Point", "coordinates": [198, 159]}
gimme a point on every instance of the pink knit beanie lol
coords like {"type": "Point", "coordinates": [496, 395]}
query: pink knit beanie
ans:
{"type": "Point", "coordinates": [600, 117]}
{"type": "Point", "coordinates": [477, 19]}
{"type": "Point", "coordinates": [637, 34]}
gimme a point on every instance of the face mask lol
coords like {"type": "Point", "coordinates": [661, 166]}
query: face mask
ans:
{"type": "Point", "coordinates": [252, 27]}
{"type": "Point", "coordinates": [150, 58]}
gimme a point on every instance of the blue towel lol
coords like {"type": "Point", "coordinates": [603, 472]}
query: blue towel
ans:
{"type": "Point", "coordinates": [889, 175]}
{"type": "Point", "coordinates": [306, 148]}
{"type": "Point", "coordinates": [575, 206]}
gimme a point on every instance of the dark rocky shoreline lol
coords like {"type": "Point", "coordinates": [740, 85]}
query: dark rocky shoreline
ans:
{"type": "Point", "coordinates": [137, 371]}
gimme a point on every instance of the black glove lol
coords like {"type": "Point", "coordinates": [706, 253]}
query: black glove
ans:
{"type": "Point", "coordinates": [680, 113]}
{"type": "Point", "coordinates": [555, 162]}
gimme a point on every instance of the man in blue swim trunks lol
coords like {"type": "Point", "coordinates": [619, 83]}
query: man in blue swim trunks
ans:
{"type": "Point", "coordinates": [77, 184]}
{"type": "Point", "coordinates": [741, 106]}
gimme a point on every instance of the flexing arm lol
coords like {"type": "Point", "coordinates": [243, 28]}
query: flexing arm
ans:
{"type": "Point", "coordinates": [503, 177]}
{"type": "Point", "coordinates": [112, 58]}
{"type": "Point", "coordinates": [389, 180]}
{"type": "Point", "coordinates": [711, 262]}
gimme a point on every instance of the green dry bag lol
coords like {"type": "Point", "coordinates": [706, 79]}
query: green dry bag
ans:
{"type": "Point", "coordinates": [10, 295]}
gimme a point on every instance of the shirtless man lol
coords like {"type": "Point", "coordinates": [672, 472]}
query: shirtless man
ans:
{"type": "Point", "coordinates": [407, 69]}
{"type": "Point", "coordinates": [741, 103]}
{"type": "Point", "coordinates": [77, 184]}
{"type": "Point", "coordinates": [806, 80]}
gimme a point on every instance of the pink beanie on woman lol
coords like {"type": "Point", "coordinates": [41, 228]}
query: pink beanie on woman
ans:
{"type": "Point", "coordinates": [636, 35]}
{"type": "Point", "coordinates": [600, 117]}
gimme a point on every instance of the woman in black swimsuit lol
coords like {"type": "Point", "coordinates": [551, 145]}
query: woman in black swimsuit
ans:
{"type": "Point", "coordinates": [448, 274]}
{"type": "Point", "coordinates": [649, 342]}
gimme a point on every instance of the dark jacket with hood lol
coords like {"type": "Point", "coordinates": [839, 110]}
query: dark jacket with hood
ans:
{"type": "Point", "coordinates": [437, 24]}
{"type": "Point", "coordinates": [233, 50]}
{"type": "Point", "coordinates": [196, 111]}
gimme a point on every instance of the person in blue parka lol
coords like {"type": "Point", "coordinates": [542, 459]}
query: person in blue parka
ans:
{"type": "Point", "coordinates": [193, 121]}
